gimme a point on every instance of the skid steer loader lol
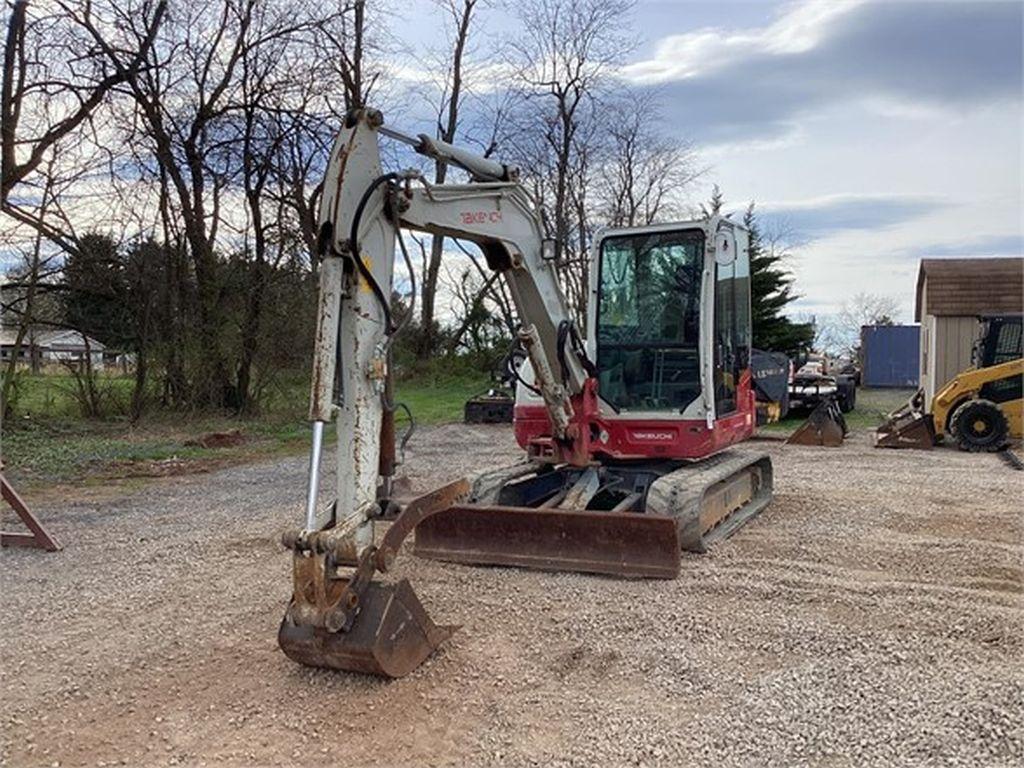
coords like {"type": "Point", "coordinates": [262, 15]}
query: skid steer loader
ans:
{"type": "Point", "coordinates": [980, 409]}
{"type": "Point", "coordinates": [630, 453]}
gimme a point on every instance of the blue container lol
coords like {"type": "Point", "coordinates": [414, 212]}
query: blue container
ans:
{"type": "Point", "coordinates": [890, 355]}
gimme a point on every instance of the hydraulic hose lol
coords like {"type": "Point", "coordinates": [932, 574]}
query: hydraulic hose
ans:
{"type": "Point", "coordinates": [353, 240]}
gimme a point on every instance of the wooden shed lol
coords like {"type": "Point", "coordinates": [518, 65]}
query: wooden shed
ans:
{"type": "Point", "coordinates": [951, 294]}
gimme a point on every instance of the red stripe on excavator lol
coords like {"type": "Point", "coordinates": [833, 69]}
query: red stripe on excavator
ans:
{"type": "Point", "coordinates": [634, 438]}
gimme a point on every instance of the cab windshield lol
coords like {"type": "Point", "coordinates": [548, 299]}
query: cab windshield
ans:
{"type": "Point", "coordinates": [648, 320]}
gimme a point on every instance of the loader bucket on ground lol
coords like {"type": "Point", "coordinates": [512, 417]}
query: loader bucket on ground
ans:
{"type": "Point", "coordinates": [392, 636]}
{"type": "Point", "coordinates": [552, 539]}
{"type": "Point", "coordinates": [918, 432]}
{"type": "Point", "coordinates": [824, 427]}
{"type": "Point", "coordinates": [908, 426]}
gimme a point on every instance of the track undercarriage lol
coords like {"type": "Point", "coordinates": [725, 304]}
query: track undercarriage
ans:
{"type": "Point", "coordinates": [625, 519]}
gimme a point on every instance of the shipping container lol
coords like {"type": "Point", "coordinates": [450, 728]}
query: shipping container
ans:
{"type": "Point", "coordinates": [890, 355]}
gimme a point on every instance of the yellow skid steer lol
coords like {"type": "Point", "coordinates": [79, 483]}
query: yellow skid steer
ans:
{"type": "Point", "coordinates": [981, 409]}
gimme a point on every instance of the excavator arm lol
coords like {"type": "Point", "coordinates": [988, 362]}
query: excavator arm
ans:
{"type": "Point", "coordinates": [361, 214]}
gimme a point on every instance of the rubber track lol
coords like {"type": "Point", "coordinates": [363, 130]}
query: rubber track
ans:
{"type": "Point", "coordinates": [1011, 459]}
{"type": "Point", "coordinates": [679, 494]}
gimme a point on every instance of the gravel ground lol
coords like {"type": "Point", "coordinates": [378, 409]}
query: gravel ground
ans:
{"type": "Point", "coordinates": [871, 616]}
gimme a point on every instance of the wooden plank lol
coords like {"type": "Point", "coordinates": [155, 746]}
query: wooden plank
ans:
{"type": "Point", "coordinates": [18, 539]}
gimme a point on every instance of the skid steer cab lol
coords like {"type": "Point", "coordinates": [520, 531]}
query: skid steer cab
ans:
{"type": "Point", "coordinates": [981, 409]}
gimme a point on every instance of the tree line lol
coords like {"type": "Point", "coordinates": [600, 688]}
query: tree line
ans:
{"type": "Point", "coordinates": [161, 170]}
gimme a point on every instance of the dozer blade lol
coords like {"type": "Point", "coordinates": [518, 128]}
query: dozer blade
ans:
{"type": "Point", "coordinates": [551, 539]}
{"type": "Point", "coordinates": [391, 637]}
{"type": "Point", "coordinates": [685, 509]}
{"type": "Point", "coordinates": [908, 426]}
{"type": "Point", "coordinates": [824, 427]}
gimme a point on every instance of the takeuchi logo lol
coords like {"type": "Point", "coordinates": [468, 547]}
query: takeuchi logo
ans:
{"type": "Point", "coordinates": [654, 435]}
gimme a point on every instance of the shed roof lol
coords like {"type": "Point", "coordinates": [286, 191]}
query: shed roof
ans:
{"type": "Point", "coordinates": [970, 286]}
{"type": "Point", "coordinates": [63, 338]}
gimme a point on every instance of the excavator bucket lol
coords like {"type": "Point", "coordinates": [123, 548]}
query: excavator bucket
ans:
{"type": "Point", "coordinates": [354, 623]}
{"type": "Point", "coordinates": [824, 427]}
{"type": "Point", "coordinates": [908, 426]}
{"type": "Point", "coordinates": [392, 636]}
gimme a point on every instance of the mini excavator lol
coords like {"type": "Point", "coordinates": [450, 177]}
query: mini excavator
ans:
{"type": "Point", "coordinates": [628, 430]}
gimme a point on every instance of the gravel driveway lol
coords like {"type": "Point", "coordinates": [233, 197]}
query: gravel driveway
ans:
{"type": "Point", "coordinates": [871, 616]}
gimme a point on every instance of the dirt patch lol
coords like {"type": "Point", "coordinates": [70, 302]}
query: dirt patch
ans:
{"type": "Point", "coordinates": [228, 439]}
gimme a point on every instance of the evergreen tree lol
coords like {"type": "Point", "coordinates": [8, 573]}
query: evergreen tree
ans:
{"type": "Point", "coordinates": [771, 290]}
{"type": "Point", "coordinates": [95, 289]}
{"type": "Point", "coordinates": [714, 205]}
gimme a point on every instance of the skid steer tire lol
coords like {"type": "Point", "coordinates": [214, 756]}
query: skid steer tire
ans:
{"type": "Point", "coordinates": [980, 426]}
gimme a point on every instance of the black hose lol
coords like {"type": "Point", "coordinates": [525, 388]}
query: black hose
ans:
{"type": "Point", "coordinates": [516, 350]}
{"type": "Point", "coordinates": [353, 241]}
{"type": "Point", "coordinates": [412, 281]}
{"type": "Point", "coordinates": [567, 333]}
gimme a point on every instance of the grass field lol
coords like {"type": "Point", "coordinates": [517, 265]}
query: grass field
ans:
{"type": "Point", "coordinates": [871, 409]}
{"type": "Point", "coordinates": [46, 441]}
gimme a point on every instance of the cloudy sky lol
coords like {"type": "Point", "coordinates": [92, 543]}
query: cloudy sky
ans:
{"type": "Point", "coordinates": [881, 132]}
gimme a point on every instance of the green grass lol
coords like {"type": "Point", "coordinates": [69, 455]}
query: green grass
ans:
{"type": "Point", "coordinates": [47, 441]}
{"type": "Point", "coordinates": [440, 398]}
{"type": "Point", "coordinates": [871, 409]}
{"type": "Point", "coordinates": [52, 395]}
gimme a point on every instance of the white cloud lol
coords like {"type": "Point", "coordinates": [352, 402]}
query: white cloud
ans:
{"type": "Point", "coordinates": [798, 29]}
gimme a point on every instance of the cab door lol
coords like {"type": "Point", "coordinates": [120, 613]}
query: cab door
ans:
{"type": "Point", "coordinates": [732, 331]}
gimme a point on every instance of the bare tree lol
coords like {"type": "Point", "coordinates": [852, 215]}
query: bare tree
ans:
{"type": "Point", "coordinates": [60, 55]}
{"type": "Point", "coordinates": [563, 60]}
{"type": "Point", "coordinates": [451, 93]}
{"type": "Point", "coordinates": [645, 174]}
{"type": "Point", "coordinates": [843, 332]}
{"type": "Point", "coordinates": [216, 76]}
{"type": "Point", "coordinates": [868, 309]}
{"type": "Point", "coordinates": [18, 299]}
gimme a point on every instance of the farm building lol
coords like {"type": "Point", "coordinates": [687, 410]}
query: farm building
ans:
{"type": "Point", "coordinates": [51, 347]}
{"type": "Point", "coordinates": [890, 355]}
{"type": "Point", "coordinates": [951, 295]}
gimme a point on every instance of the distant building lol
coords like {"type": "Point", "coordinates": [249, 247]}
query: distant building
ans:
{"type": "Point", "coordinates": [52, 347]}
{"type": "Point", "coordinates": [890, 355]}
{"type": "Point", "coordinates": [951, 294]}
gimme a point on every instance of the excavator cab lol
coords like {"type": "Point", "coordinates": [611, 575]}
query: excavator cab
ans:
{"type": "Point", "coordinates": [647, 320]}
